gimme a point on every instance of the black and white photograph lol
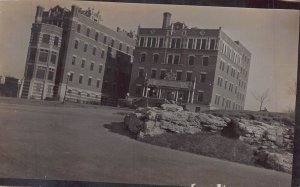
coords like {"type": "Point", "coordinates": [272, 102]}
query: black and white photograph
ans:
{"type": "Point", "coordinates": [96, 93]}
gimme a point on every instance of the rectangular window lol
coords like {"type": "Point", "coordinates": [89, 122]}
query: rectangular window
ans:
{"type": "Point", "coordinates": [170, 59]}
{"type": "Point", "coordinates": [200, 96]}
{"type": "Point", "coordinates": [56, 40]}
{"type": "Point", "coordinates": [202, 77]}
{"type": "Point", "coordinates": [161, 42]}
{"type": "Point", "coordinates": [102, 53]}
{"type": "Point", "coordinates": [191, 60]}
{"type": "Point", "coordinates": [43, 56]}
{"type": "Point", "coordinates": [188, 76]}
{"type": "Point", "coordinates": [153, 44]}
{"type": "Point", "coordinates": [212, 44]}
{"type": "Point", "coordinates": [149, 42]}
{"type": "Point", "coordinates": [120, 46]}
{"type": "Point", "coordinates": [143, 57]}
{"type": "Point", "coordinates": [94, 50]}
{"type": "Point", "coordinates": [90, 81]}
{"type": "Point", "coordinates": [80, 79]}
{"type": "Point", "coordinates": [76, 44]}
{"type": "Point", "coordinates": [153, 73]}
{"type": "Point", "coordinates": [141, 73]}
{"type": "Point", "coordinates": [87, 32]}
{"type": "Point", "coordinates": [142, 41]}
{"type": "Point", "coordinates": [71, 76]}
{"type": "Point", "coordinates": [73, 60]}
{"type": "Point", "coordinates": [104, 39]}
{"type": "Point", "coordinates": [92, 66]}
{"type": "Point", "coordinates": [50, 74]}
{"type": "Point", "coordinates": [82, 63]}
{"type": "Point", "coordinates": [53, 57]}
{"type": "Point", "coordinates": [127, 49]}
{"type": "Point", "coordinates": [203, 44]}
{"type": "Point", "coordinates": [190, 44]}
{"type": "Point", "coordinates": [98, 83]}
{"type": "Point", "coordinates": [46, 38]}
{"type": "Point", "coordinates": [96, 36]}
{"type": "Point", "coordinates": [176, 59]}
{"type": "Point", "coordinates": [112, 43]}
{"type": "Point", "coordinates": [85, 47]}
{"type": "Point", "coordinates": [205, 61]}
{"type": "Point", "coordinates": [178, 75]}
{"type": "Point", "coordinates": [155, 58]}
{"type": "Point", "coordinates": [32, 54]}
{"type": "Point", "coordinates": [175, 43]}
{"type": "Point", "coordinates": [41, 72]}
{"type": "Point", "coordinates": [198, 43]}
{"type": "Point", "coordinates": [100, 69]}
{"type": "Point", "coordinates": [78, 28]}
{"type": "Point", "coordinates": [162, 74]}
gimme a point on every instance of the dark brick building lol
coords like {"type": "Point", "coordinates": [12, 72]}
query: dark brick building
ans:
{"type": "Point", "coordinates": [68, 53]}
{"type": "Point", "coordinates": [200, 68]}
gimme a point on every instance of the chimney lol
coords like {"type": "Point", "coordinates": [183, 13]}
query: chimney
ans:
{"type": "Point", "coordinates": [166, 20]}
{"type": "Point", "coordinates": [39, 14]}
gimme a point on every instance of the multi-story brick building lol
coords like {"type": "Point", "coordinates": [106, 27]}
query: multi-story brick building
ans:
{"type": "Point", "coordinates": [68, 53]}
{"type": "Point", "coordinates": [200, 68]}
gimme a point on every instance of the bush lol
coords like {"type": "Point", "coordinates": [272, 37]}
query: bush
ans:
{"type": "Point", "coordinates": [207, 144]}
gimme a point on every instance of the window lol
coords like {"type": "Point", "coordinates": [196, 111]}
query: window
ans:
{"type": "Point", "coordinates": [141, 73]}
{"type": "Point", "coordinates": [220, 80]}
{"type": "Point", "coordinates": [143, 57]}
{"type": "Point", "coordinates": [96, 36]}
{"type": "Point", "coordinates": [120, 46]}
{"type": "Point", "coordinates": [102, 53]}
{"type": "Point", "coordinates": [153, 43]}
{"type": "Point", "coordinates": [162, 74]}
{"type": "Point", "coordinates": [87, 32]}
{"type": "Point", "coordinates": [175, 43]}
{"type": "Point", "coordinates": [41, 72]}
{"type": "Point", "coordinates": [203, 44]}
{"type": "Point", "coordinates": [100, 68]}
{"type": "Point", "coordinates": [127, 49]}
{"type": "Point", "coordinates": [178, 75]}
{"type": "Point", "coordinates": [191, 60]}
{"type": "Point", "coordinates": [188, 76]}
{"type": "Point", "coordinates": [82, 63]}
{"type": "Point", "coordinates": [176, 59]}
{"type": "Point", "coordinates": [153, 73]}
{"type": "Point", "coordinates": [50, 74]}
{"type": "Point", "coordinates": [92, 66]}
{"type": "Point", "coordinates": [85, 47]}
{"type": "Point", "coordinates": [76, 44]}
{"type": "Point", "coordinates": [227, 69]}
{"type": "Point", "coordinates": [190, 44]}
{"type": "Point", "coordinates": [205, 61]}
{"type": "Point", "coordinates": [198, 44]}
{"type": "Point", "coordinates": [225, 85]}
{"type": "Point", "coordinates": [173, 59]}
{"type": "Point", "coordinates": [71, 76]}
{"type": "Point", "coordinates": [29, 71]}
{"type": "Point", "coordinates": [53, 57]}
{"type": "Point", "coordinates": [112, 43]}
{"type": "Point", "coordinates": [170, 59]}
{"type": "Point", "coordinates": [212, 44]}
{"type": "Point", "coordinates": [142, 41]}
{"type": "Point", "coordinates": [43, 56]}
{"type": "Point", "coordinates": [161, 42]}
{"type": "Point", "coordinates": [80, 79]}
{"type": "Point", "coordinates": [98, 83]}
{"type": "Point", "coordinates": [46, 38]}
{"type": "Point", "coordinates": [32, 54]}
{"type": "Point", "coordinates": [148, 44]}
{"type": "Point", "coordinates": [202, 77]}
{"type": "Point", "coordinates": [94, 50]}
{"type": "Point", "coordinates": [105, 39]}
{"type": "Point", "coordinates": [73, 60]}
{"type": "Point", "coordinates": [200, 96]}
{"type": "Point", "coordinates": [217, 100]}
{"type": "Point", "coordinates": [90, 81]}
{"type": "Point", "coordinates": [56, 40]}
{"type": "Point", "coordinates": [78, 28]}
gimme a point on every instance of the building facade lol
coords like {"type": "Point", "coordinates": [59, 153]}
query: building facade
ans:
{"type": "Point", "coordinates": [198, 68]}
{"type": "Point", "coordinates": [68, 53]}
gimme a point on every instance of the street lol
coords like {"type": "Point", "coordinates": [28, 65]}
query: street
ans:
{"type": "Point", "coordinates": [42, 141]}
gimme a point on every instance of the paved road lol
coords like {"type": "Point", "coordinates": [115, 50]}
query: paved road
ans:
{"type": "Point", "coordinates": [72, 143]}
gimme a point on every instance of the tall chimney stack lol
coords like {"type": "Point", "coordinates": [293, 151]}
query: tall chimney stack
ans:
{"type": "Point", "coordinates": [166, 20]}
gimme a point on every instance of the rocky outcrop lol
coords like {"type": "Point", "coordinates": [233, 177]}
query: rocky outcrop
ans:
{"type": "Point", "coordinates": [272, 141]}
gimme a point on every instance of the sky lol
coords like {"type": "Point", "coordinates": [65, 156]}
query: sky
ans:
{"type": "Point", "coordinates": [270, 35]}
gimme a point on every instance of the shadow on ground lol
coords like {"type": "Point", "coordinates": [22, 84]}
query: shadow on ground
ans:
{"type": "Point", "coordinates": [118, 128]}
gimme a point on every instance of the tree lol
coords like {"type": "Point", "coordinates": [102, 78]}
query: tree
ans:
{"type": "Point", "coordinates": [261, 98]}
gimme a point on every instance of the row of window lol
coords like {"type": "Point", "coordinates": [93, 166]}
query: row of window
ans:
{"type": "Point", "coordinates": [176, 43]}
{"type": "Point", "coordinates": [83, 64]}
{"type": "Point", "coordinates": [85, 49]}
{"type": "Point", "coordinates": [80, 80]}
{"type": "Point", "coordinates": [41, 73]}
{"type": "Point", "coordinates": [227, 103]}
{"type": "Point", "coordinates": [46, 39]}
{"type": "Point", "coordinates": [174, 59]}
{"type": "Point", "coordinates": [234, 73]}
{"type": "Point", "coordinates": [43, 55]}
{"type": "Point", "coordinates": [178, 75]}
{"type": "Point", "coordinates": [230, 85]}
{"type": "Point", "coordinates": [104, 39]}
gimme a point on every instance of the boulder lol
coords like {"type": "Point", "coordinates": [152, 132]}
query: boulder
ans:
{"type": "Point", "coordinates": [232, 130]}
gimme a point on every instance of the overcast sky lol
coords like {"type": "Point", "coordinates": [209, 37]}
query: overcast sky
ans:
{"type": "Point", "coordinates": [270, 35]}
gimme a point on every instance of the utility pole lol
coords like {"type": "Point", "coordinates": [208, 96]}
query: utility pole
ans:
{"type": "Point", "coordinates": [296, 158]}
